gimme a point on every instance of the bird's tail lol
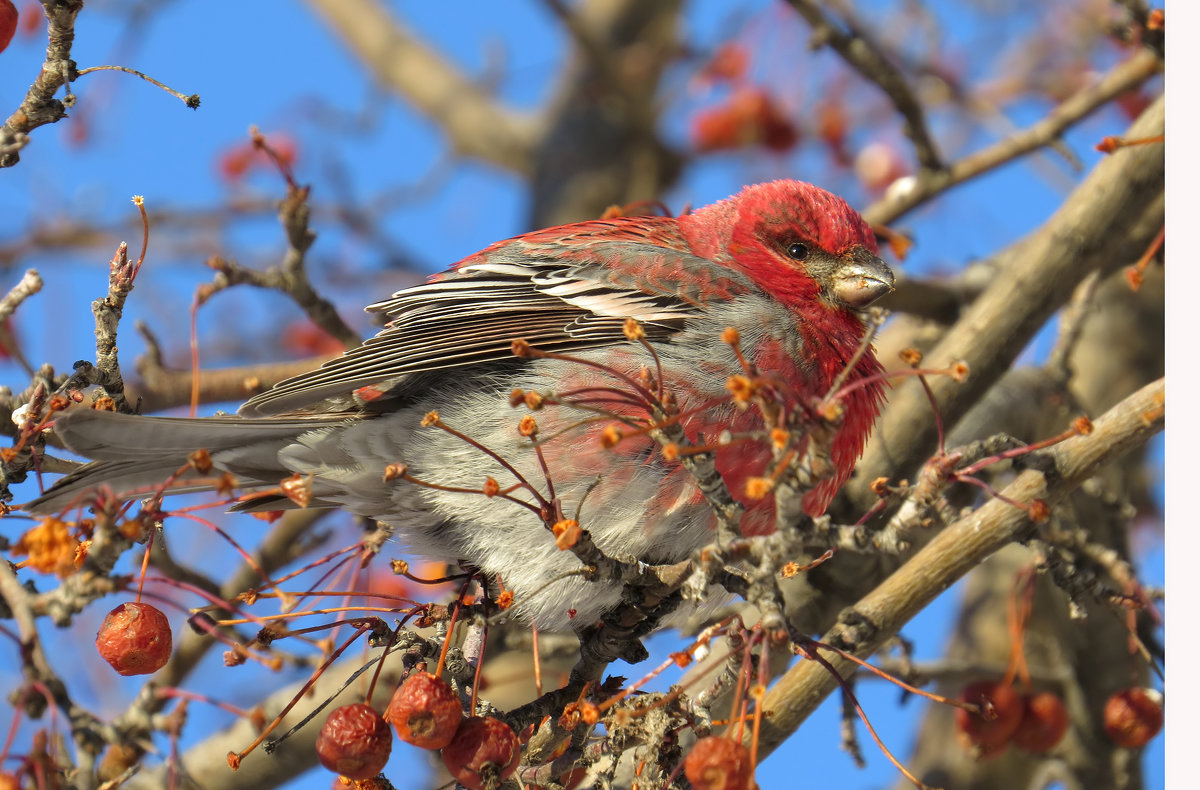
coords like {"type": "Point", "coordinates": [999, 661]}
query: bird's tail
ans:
{"type": "Point", "coordinates": [133, 456]}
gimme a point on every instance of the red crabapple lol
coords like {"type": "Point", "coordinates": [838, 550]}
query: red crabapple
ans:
{"type": "Point", "coordinates": [717, 763]}
{"type": "Point", "coordinates": [483, 753]}
{"type": "Point", "coordinates": [1133, 716]}
{"type": "Point", "coordinates": [1044, 722]}
{"type": "Point", "coordinates": [1002, 714]}
{"type": "Point", "coordinates": [425, 711]}
{"type": "Point", "coordinates": [355, 742]}
{"type": "Point", "coordinates": [135, 639]}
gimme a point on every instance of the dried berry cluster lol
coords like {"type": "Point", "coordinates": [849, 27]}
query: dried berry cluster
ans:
{"type": "Point", "coordinates": [1033, 722]}
{"type": "Point", "coordinates": [480, 752]}
{"type": "Point", "coordinates": [1038, 722]}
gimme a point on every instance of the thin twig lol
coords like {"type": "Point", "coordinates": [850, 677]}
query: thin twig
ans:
{"type": "Point", "coordinates": [192, 101]}
{"type": "Point", "coordinates": [1070, 327]}
{"type": "Point", "coordinates": [30, 284]}
{"type": "Point", "coordinates": [870, 62]}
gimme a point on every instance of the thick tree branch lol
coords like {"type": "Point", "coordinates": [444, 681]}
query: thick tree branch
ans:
{"type": "Point", "coordinates": [164, 388]}
{"type": "Point", "coordinates": [880, 614]}
{"type": "Point", "coordinates": [601, 144]}
{"type": "Point", "coordinates": [1103, 224]}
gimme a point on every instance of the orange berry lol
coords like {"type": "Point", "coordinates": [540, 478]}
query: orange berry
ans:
{"type": "Point", "coordinates": [717, 763]}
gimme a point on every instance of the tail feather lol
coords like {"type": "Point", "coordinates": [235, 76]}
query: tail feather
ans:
{"type": "Point", "coordinates": [108, 436]}
{"type": "Point", "coordinates": [125, 479]}
{"type": "Point", "coordinates": [134, 455]}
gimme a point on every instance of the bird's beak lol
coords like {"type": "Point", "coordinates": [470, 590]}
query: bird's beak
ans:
{"type": "Point", "coordinates": [862, 278]}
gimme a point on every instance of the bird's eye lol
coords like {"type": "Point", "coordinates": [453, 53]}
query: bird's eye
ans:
{"type": "Point", "coordinates": [797, 251]}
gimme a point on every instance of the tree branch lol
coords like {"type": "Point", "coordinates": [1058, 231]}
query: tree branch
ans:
{"type": "Point", "coordinates": [474, 122]}
{"type": "Point", "coordinates": [164, 388]}
{"type": "Point", "coordinates": [880, 614]}
{"type": "Point", "coordinates": [870, 62]}
{"type": "Point", "coordinates": [929, 184]}
{"type": "Point", "coordinates": [39, 106]}
{"type": "Point", "coordinates": [1120, 202]}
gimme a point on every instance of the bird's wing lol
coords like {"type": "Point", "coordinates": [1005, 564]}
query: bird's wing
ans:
{"type": "Point", "coordinates": [562, 289]}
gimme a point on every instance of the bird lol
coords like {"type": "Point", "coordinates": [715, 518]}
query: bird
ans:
{"type": "Point", "coordinates": [414, 428]}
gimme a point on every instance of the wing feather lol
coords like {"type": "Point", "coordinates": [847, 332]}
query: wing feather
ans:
{"type": "Point", "coordinates": [565, 293]}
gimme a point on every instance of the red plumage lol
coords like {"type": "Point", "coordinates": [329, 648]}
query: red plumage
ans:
{"type": "Point", "coordinates": [786, 264]}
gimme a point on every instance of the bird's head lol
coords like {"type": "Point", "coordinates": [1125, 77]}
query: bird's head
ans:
{"type": "Point", "coordinates": [797, 242]}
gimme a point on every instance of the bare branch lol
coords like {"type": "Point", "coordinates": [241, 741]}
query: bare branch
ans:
{"type": "Point", "coordinates": [927, 185]}
{"type": "Point", "coordinates": [30, 284]}
{"type": "Point", "coordinates": [37, 669]}
{"type": "Point", "coordinates": [192, 101]}
{"type": "Point", "coordinates": [164, 388]}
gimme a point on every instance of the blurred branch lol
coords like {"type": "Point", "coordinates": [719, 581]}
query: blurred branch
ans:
{"type": "Point", "coordinates": [601, 144]}
{"type": "Point", "coordinates": [1071, 326]}
{"type": "Point", "coordinates": [594, 145]}
{"type": "Point", "coordinates": [869, 61]}
{"type": "Point", "coordinates": [284, 544]}
{"type": "Point", "coordinates": [474, 122]}
{"type": "Point", "coordinates": [291, 277]}
{"type": "Point", "coordinates": [30, 284]}
{"type": "Point", "coordinates": [40, 677]}
{"type": "Point", "coordinates": [204, 765]}
{"type": "Point", "coordinates": [164, 388]}
{"type": "Point", "coordinates": [938, 299]}
{"type": "Point", "coordinates": [187, 233]}
{"type": "Point", "coordinates": [928, 184]}
{"type": "Point", "coordinates": [582, 34]}
{"type": "Point", "coordinates": [289, 538]}
{"type": "Point", "coordinates": [1121, 341]}
{"type": "Point", "coordinates": [1138, 28]}
{"type": "Point", "coordinates": [880, 614]}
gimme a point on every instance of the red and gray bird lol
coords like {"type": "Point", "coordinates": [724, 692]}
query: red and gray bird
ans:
{"type": "Point", "coordinates": [786, 264]}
